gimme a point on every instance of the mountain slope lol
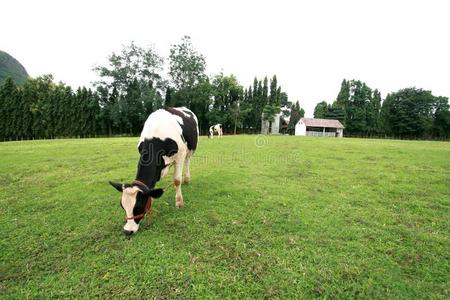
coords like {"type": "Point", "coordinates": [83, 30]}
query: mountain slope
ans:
{"type": "Point", "coordinates": [10, 67]}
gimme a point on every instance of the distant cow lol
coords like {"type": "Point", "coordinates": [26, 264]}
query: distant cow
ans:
{"type": "Point", "coordinates": [169, 138]}
{"type": "Point", "coordinates": [215, 128]}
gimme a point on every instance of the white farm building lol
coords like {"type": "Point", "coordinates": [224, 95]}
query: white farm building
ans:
{"type": "Point", "coordinates": [319, 127]}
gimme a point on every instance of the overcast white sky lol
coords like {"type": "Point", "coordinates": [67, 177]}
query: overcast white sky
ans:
{"type": "Point", "coordinates": [310, 45]}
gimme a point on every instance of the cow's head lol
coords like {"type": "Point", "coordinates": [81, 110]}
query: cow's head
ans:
{"type": "Point", "coordinates": [134, 200]}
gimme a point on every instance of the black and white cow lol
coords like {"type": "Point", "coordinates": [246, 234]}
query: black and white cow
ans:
{"type": "Point", "coordinates": [215, 128]}
{"type": "Point", "coordinates": [169, 138]}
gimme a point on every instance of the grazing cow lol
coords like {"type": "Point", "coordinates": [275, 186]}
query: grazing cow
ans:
{"type": "Point", "coordinates": [215, 128]}
{"type": "Point", "coordinates": [169, 138]}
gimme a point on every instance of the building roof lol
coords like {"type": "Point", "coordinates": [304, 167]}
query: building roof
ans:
{"type": "Point", "coordinates": [327, 123]}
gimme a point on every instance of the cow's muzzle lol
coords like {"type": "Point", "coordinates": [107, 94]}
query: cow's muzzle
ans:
{"type": "Point", "coordinates": [128, 232]}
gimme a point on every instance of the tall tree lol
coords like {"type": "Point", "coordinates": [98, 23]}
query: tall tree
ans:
{"type": "Point", "coordinates": [274, 97]}
{"type": "Point", "coordinates": [227, 93]}
{"type": "Point", "coordinates": [133, 63]}
{"type": "Point", "coordinates": [335, 112]}
{"type": "Point", "coordinates": [40, 105]}
{"type": "Point", "coordinates": [284, 99]}
{"type": "Point", "coordinates": [321, 110]}
{"type": "Point", "coordinates": [190, 84]}
{"type": "Point", "coordinates": [201, 102]}
{"type": "Point", "coordinates": [265, 92]}
{"type": "Point", "coordinates": [343, 97]}
{"type": "Point", "coordinates": [247, 106]}
{"type": "Point", "coordinates": [132, 77]}
{"type": "Point", "coordinates": [186, 66]}
{"type": "Point", "coordinates": [296, 114]}
{"type": "Point", "coordinates": [409, 113]}
{"type": "Point", "coordinates": [8, 96]}
{"type": "Point", "coordinates": [257, 103]}
{"type": "Point", "coordinates": [441, 120]}
{"type": "Point", "coordinates": [360, 107]}
{"type": "Point", "coordinates": [385, 114]}
{"type": "Point", "coordinates": [373, 113]}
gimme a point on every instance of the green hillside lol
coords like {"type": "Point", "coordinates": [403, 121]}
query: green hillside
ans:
{"type": "Point", "coordinates": [11, 67]}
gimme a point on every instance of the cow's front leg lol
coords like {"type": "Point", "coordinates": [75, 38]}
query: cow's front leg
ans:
{"type": "Point", "coordinates": [177, 177]}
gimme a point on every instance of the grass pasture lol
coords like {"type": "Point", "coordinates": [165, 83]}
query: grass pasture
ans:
{"type": "Point", "coordinates": [264, 217]}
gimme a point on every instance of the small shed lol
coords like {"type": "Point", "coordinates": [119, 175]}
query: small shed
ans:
{"type": "Point", "coordinates": [319, 127]}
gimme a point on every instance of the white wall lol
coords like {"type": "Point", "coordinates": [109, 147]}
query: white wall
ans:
{"type": "Point", "coordinates": [275, 125]}
{"type": "Point", "coordinates": [300, 128]}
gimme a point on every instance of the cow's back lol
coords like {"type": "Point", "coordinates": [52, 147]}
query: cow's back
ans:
{"type": "Point", "coordinates": [188, 123]}
{"type": "Point", "coordinates": [177, 123]}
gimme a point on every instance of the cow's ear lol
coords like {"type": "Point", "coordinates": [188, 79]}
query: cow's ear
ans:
{"type": "Point", "coordinates": [117, 185]}
{"type": "Point", "coordinates": [156, 193]}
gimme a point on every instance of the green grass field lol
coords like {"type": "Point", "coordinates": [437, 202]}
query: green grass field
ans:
{"type": "Point", "coordinates": [264, 217]}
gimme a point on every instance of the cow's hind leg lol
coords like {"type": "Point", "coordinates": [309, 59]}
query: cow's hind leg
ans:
{"type": "Point", "coordinates": [177, 177]}
{"type": "Point", "coordinates": [187, 168]}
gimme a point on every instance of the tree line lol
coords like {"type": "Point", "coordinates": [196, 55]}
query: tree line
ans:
{"type": "Point", "coordinates": [133, 84]}
{"type": "Point", "coordinates": [41, 108]}
{"type": "Point", "coordinates": [410, 113]}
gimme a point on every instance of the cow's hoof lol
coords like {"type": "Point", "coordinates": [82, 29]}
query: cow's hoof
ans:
{"type": "Point", "coordinates": [186, 180]}
{"type": "Point", "coordinates": [179, 202]}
